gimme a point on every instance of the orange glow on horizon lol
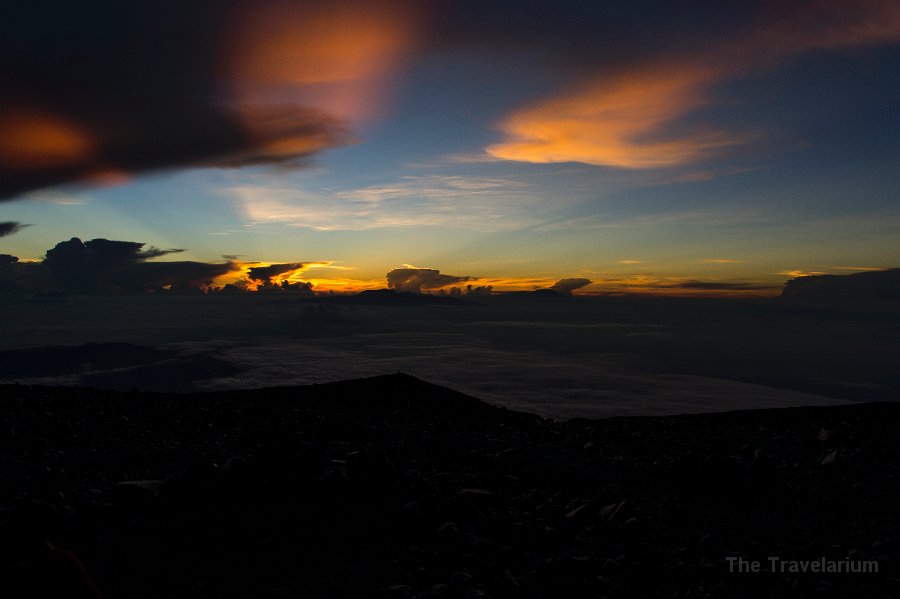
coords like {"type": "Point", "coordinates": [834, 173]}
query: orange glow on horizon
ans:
{"type": "Point", "coordinates": [627, 285]}
{"type": "Point", "coordinates": [240, 277]}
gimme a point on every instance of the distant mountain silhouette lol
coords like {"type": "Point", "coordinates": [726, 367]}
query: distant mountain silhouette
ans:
{"type": "Point", "coordinates": [54, 360]}
{"type": "Point", "coordinates": [536, 295]}
{"type": "Point", "coordinates": [874, 286]}
{"type": "Point", "coordinates": [121, 366]}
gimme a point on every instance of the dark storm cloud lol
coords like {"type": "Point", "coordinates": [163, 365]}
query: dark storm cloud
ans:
{"type": "Point", "coordinates": [93, 92]}
{"type": "Point", "coordinates": [416, 280]}
{"type": "Point", "coordinates": [10, 228]}
{"type": "Point", "coordinates": [265, 274]}
{"type": "Point", "coordinates": [567, 286]}
{"type": "Point", "coordinates": [96, 91]}
{"type": "Point", "coordinates": [102, 252]}
{"type": "Point", "coordinates": [105, 265]}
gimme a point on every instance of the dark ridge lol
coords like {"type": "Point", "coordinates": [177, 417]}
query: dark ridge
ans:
{"type": "Point", "coordinates": [538, 295]}
{"type": "Point", "coordinates": [55, 360]}
{"type": "Point", "coordinates": [174, 375]}
{"type": "Point", "coordinates": [394, 487]}
{"type": "Point", "coordinates": [881, 285]}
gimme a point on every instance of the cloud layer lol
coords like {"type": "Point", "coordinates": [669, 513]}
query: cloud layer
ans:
{"type": "Point", "coordinates": [95, 93]}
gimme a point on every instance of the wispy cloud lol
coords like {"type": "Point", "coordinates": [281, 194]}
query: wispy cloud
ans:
{"type": "Point", "coordinates": [56, 197]}
{"type": "Point", "coordinates": [720, 217]}
{"type": "Point", "coordinates": [859, 268]}
{"type": "Point", "coordinates": [721, 261]}
{"type": "Point", "coordinates": [801, 273]}
{"type": "Point", "coordinates": [471, 158]}
{"type": "Point", "coordinates": [480, 204]}
{"type": "Point", "coordinates": [627, 119]}
{"type": "Point", "coordinates": [11, 228]}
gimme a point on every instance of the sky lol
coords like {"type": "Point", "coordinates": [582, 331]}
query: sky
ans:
{"type": "Point", "coordinates": [644, 148]}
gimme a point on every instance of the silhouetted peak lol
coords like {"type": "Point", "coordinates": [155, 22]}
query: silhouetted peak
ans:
{"type": "Point", "coordinates": [879, 285]}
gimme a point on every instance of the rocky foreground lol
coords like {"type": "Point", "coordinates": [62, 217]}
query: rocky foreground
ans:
{"type": "Point", "coordinates": [392, 487]}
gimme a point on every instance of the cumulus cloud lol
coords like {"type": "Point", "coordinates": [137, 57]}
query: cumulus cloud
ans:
{"type": "Point", "coordinates": [416, 280]}
{"type": "Point", "coordinates": [567, 286]}
{"type": "Point", "coordinates": [479, 291]}
{"type": "Point", "coordinates": [100, 252]}
{"type": "Point", "coordinates": [10, 228]}
{"type": "Point", "coordinates": [105, 265]}
{"type": "Point", "coordinates": [265, 274]}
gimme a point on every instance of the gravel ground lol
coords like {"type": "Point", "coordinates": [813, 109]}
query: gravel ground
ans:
{"type": "Point", "coordinates": [392, 487]}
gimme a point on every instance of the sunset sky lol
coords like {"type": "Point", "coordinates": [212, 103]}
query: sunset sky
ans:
{"type": "Point", "coordinates": [713, 146]}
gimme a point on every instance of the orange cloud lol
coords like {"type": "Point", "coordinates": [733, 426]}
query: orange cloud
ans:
{"type": "Point", "coordinates": [35, 140]}
{"type": "Point", "coordinates": [614, 123]}
{"type": "Point", "coordinates": [625, 119]}
{"type": "Point", "coordinates": [260, 83]}
{"type": "Point", "coordinates": [330, 56]}
{"type": "Point", "coordinates": [801, 273]}
{"type": "Point", "coordinates": [254, 275]}
{"type": "Point", "coordinates": [345, 285]}
{"type": "Point", "coordinates": [860, 268]}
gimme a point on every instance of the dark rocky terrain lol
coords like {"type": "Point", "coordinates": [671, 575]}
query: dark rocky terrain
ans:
{"type": "Point", "coordinates": [392, 487]}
